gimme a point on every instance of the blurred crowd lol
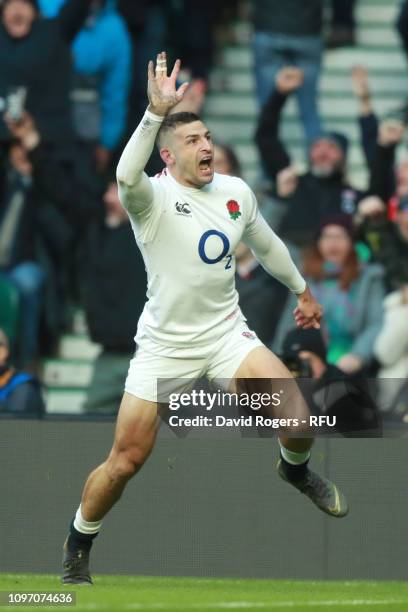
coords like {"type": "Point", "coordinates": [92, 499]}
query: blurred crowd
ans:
{"type": "Point", "coordinates": [72, 90]}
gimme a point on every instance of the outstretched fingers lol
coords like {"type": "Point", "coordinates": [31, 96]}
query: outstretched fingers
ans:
{"type": "Point", "coordinates": [176, 70]}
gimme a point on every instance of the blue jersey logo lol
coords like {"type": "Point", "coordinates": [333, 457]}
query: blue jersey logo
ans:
{"type": "Point", "coordinates": [225, 243]}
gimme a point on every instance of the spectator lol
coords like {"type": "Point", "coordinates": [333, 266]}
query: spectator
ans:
{"type": "Point", "coordinates": [17, 249]}
{"type": "Point", "coordinates": [379, 141]}
{"type": "Point", "coordinates": [20, 393]}
{"type": "Point", "coordinates": [388, 240]}
{"type": "Point", "coordinates": [102, 55]}
{"type": "Point", "coordinates": [290, 34]}
{"type": "Point", "coordinates": [35, 54]}
{"type": "Point", "coordinates": [115, 293]}
{"type": "Point", "coordinates": [60, 205]}
{"type": "Point", "coordinates": [330, 391]}
{"type": "Point", "coordinates": [342, 31]}
{"type": "Point", "coordinates": [351, 295]}
{"type": "Point", "coordinates": [323, 190]}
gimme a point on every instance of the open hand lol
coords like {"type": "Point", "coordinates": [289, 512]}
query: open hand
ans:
{"type": "Point", "coordinates": [161, 89]}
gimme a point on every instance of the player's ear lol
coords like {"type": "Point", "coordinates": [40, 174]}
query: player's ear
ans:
{"type": "Point", "coordinates": [167, 156]}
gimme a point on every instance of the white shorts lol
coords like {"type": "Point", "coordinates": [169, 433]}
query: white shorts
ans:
{"type": "Point", "coordinates": [218, 362]}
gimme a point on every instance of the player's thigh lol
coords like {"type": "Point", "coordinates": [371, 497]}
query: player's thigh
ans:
{"type": "Point", "coordinates": [262, 363]}
{"type": "Point", "coordinates": [263, 372]}
{"type": "Point", "coordinates": [136, 427]}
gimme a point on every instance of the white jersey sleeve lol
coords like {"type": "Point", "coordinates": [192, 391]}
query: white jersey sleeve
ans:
{"type": "Point", "coordinates": [136, 191]}
{"type": "Point", "coordinates": [269, 249]}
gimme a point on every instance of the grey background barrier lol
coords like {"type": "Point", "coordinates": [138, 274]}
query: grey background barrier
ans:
{"type": "Point", "coordinates": [210, 507]}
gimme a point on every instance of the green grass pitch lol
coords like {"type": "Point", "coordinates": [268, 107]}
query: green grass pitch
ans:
{"type": "Point", "coordinates": [114, 593]}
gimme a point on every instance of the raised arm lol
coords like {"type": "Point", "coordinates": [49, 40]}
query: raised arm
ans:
{"type": "Point", "coordinates": [382, 178]}
{"type": "Point", "coordinates": [271, 148]}
{"type": "Point", "coordinates": [135, 189]}
{"type": "Point", "coordinates": [367, 119]}
{"type": "Point", "coordinates": [274, 257]}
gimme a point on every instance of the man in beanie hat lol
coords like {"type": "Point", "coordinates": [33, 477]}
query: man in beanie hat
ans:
{"type": "Point", "coordinates": [307, 198]}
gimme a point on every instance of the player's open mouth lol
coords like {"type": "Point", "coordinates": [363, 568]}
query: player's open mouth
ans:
{"type": "Point", "coordinates": [205, 164]}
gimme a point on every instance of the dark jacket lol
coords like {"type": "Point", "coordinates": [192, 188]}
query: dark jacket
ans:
{"type": "Point", "coordinates": [293, 17]}
{"type": "Point", "coordinates": [41, 62]}
{"type": "Point", "coordinates": [115, 285]}
{"type": "Point", "coordinates": [63, 184]}
{"type": "Point", "coordinates": [134, 13]}
{"type": "Point", "coordinates": [314, 197]}
{"type": "Point", "coordinates": [382, 173]}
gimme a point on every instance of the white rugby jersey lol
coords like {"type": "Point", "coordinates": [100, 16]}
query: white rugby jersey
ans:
{"type": "Point", "coordinates": [188, 237]}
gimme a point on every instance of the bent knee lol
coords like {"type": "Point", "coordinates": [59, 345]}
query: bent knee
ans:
{"type": "Point", "coordinates": [125, 464]}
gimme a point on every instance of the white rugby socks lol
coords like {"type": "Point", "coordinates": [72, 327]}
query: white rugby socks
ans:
{"type": "Point", "coordinates": [86, 527]}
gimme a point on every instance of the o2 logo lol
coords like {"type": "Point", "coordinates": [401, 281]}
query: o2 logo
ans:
{"type": "Point", "coordinates": [224, 244]}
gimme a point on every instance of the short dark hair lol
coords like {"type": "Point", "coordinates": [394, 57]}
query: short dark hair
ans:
{"type": "Point", "coordinates": [174, 120]}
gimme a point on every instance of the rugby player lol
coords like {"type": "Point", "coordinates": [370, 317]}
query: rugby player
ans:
{"type": "Point", "coordinates": [187, 223]}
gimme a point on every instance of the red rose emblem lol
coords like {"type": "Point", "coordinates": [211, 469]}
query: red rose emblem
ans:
{"type": "Point", "coordinates": [233, 209]}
